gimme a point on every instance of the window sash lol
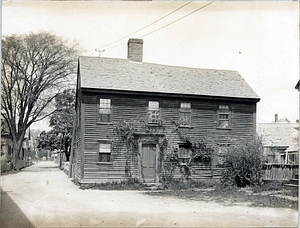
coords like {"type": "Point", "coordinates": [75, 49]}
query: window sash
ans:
{"type": "Point", "coordinates": [105, 110]}
{"type": "Point", "coordinates": [184, 152]}
{"type": "Point", "coordinates": [224, 116]}
{"type": "Point", "coordinates": [185, 118]}
{"type": "Point", "coordinates": [153, 116]}
{"type": "Point", "coordinates": [104, 152]}
{"type": "Point", "coordinates": [153, 105]}
{"type": "Point", "coordinates": [184, 105]}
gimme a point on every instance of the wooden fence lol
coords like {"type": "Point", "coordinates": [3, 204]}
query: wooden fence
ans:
{"type": "Point", "coordinates": [279, 171]}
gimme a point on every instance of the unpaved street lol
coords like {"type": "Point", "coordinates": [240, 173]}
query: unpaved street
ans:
{"type": "Point", "coordinates": [42, 195]}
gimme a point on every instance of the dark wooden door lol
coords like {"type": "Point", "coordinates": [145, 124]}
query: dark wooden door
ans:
{"type": "Point", "coordinates": [148, 162]}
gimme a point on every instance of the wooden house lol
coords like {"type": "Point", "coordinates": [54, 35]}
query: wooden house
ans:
{"type": "Point", "coordinates": [280, 140]}
{"type": "Point", "coordinates": [163, 103]}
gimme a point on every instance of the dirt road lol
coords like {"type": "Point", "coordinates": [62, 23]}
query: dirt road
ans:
{"type": "Point", "coordinates": [42, 195]}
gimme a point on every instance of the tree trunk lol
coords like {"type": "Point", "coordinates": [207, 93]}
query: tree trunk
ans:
{"type": "Point", "coordinates": [17, 146]}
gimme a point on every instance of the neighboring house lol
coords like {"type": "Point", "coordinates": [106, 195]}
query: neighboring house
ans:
{"type": "Point", "coordinates": [280, 140]}
{"type": "Point", "coordinates": [216, 104]}
{"type": "Point", "coordinates": [7, 150]}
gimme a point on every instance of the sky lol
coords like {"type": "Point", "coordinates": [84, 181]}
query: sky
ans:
{"type": "Point", "coordinates": [258, 39]}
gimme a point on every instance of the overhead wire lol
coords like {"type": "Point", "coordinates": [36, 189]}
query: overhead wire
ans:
{"type": "Point", "coordinates": [165, 25]}
{"type": "Point", "coordinates": [145, 26]}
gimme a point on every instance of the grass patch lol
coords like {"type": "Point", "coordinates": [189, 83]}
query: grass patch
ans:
{"type": "Point", "coordinates": [115, 185]}
{"type": "Point", "coordinates": [251, 196]}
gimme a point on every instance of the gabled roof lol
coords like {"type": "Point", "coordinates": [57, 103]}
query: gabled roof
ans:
{"type": "Point", "coordinates": [122, 74]}
{"type": "Point", "coordinates": [279, 134]}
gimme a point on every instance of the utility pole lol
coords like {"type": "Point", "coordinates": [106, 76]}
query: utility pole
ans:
{"type": "Point", "coordinates": [100, 51]}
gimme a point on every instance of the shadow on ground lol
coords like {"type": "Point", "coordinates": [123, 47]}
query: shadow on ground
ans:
{"type": "Point", "coordinates": [11, 215]}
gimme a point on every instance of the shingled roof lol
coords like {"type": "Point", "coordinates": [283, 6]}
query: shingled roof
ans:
{"type": "Point", "coordinates": [122, 74]}
{"type": "Point", "coordinates": [279, 134]}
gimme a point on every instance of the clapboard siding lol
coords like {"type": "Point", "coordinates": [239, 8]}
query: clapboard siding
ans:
{"type": "Point", "coordinates": [134, 108]}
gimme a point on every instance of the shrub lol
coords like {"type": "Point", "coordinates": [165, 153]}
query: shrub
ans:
{"type": "Point", "coordinates": [243, 164]}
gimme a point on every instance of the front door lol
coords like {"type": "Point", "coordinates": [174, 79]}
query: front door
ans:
{"type": "Point", "coordinates": [148, 162]}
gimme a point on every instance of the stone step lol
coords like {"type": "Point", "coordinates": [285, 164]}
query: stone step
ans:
{"type": "Point", "coordinates": [153, 186]}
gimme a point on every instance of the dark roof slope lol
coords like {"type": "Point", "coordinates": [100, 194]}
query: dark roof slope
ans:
{"type": "Point", "coordinates": [122, 74]}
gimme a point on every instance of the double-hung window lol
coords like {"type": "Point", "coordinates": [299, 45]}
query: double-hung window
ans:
{"type": "Point", "coordinates": [224, 117]}
{"type": "Point", "coordinates": [184, 154]}
{"type": "Point", "coordinates": [105, 110]}
{"type": "Point", "coordinates": [104, 152]}
{"type": "Point", "coordinates": [153, 112]}
{"type": "Point", "coordinates": [185, 115]}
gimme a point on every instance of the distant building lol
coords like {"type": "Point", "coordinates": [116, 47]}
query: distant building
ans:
{"type": "Point", "coordinates": [280, 140]}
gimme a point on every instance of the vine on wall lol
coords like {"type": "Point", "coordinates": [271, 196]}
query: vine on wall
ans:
{"type": "Point", "coordinates": [168, 159]}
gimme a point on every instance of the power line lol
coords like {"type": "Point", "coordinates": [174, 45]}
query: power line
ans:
{"type": "Point", "coordinates": [145, 26]}
{"type": "Point", "coordinates": [166, 24]}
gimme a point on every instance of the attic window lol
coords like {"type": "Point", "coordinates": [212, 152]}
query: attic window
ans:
{"type": "Point", "coordinates": [105, 110]}
{"type": "Point", "coordinates": [185, 115]}
{"type": "Point", "coordinates": [224, 117]}
{"type": "Point", "coordinates": [153, 112]}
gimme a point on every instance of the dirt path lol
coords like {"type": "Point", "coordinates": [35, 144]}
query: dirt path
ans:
{"type": "Point", "coordinates": [42, 195]}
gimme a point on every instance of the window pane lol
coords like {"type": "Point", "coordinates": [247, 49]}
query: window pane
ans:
{"type": "Point", "coordinates": [104, 157]}
{"type": "Point", "coordinates": [224, 123]}
{"type": "Point", "coordinates": [153, 105]}
{"type": "Point", "coordinates": [223, 116]}
{"type": "Point", "coordinates": [104, 103]}
{"type": "Point", "coordinates": [104, 148]}
{"type": "Point", "coordinates": [224, 108]}
{"type": "Point", "coordinates": [104, 111]}
{"type": "Point", "coordinates": [185, 105]}
{"type": "Point", "coordinates": [153, 116]}
{"type": "Point", "coordinates": [184, 152]}
{"type": "Point", "coordinates": [185, 118]}
{"type": "Point", "coordinates": [104, 118]}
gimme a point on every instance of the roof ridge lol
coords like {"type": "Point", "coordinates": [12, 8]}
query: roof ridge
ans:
{"type": "Point", "coordinates": [159, 64]}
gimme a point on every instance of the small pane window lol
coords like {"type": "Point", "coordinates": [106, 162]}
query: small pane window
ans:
{"type": "Point", "coordinates": [185, 105]}
{"type": "Point", "coordinates": [185, 115]}
{"type": "Point", "coordinates": [153, 105]}
{"type": "Point", "coordinates": [224, 116]}
{"type": "Point", "coordinates": [104, 152]}
{"type": "Point", "coordinates": [153, 112]}
{"type": "Point", "coordinates": [105, 110]}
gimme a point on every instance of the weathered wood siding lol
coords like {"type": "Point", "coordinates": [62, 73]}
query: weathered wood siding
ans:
{"type": "Point", "coordinates": [78, 140]}
{"type": "Point", "coordinates": [130, 108]}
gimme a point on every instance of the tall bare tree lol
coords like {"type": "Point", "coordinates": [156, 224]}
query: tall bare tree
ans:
{"type": "Point", "coordinates": [34, 68]}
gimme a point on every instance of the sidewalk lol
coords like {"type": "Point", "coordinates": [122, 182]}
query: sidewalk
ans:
{"type": "Point", "coordinates": [42, 195]}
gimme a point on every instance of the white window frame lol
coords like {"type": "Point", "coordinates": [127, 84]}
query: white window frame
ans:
{"type": "Point", "coordinates": [153, 109]}
{"type": "Point", "coordinates": [185, 109]}
{"type": "Point", "coordinates": [104, 108]}
{"type": "Point", "coordinates": [104, 148]}
{"type": "Point", "coordinates": [224, 110]}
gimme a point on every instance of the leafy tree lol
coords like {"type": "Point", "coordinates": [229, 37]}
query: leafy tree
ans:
{"type": "Point", "coordinates": [61, 121]}
{"type": "Point", "coordinates": [34, 66]}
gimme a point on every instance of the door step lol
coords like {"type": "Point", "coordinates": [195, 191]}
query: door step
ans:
{"type": "Point", "coordinates": [153, 186]}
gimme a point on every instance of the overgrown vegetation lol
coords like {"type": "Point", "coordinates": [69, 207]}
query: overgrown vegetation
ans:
{"type": "Point", "coordinates": [131, 184]}
{"type": "Point", "coordinates": [243, 164]}
{"type": "Point", "coordinates": [199, 153]}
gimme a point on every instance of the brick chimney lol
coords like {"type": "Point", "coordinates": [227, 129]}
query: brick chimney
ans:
{"type": "Point", "coordinates": [276, 117]}
{"type": "Point", "coordinates": [135, 50]}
